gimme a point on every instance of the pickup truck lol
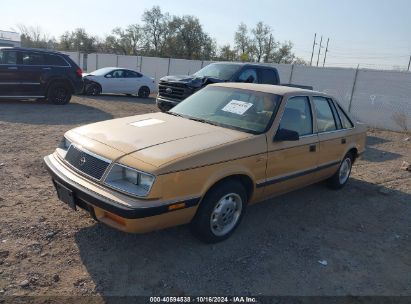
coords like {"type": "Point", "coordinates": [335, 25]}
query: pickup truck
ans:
{"type": "Point", "coordinates": [173, 89]}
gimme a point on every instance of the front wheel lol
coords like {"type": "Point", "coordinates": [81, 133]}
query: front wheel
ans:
{"type": "Point", "coordinates": [144, 92]}
{"type": "Point", "coordinates": [93, 89]}
{"type": "Point", "coordinates": [220, 212]}
{"type": "Point", "coordinates": [59, 93]}
{"type": "Point", "coordinates": [341, 177]}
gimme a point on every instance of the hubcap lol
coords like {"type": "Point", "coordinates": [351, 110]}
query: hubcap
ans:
{"type": "Point", "coordinates": [226, 214]}
{"type": "Point", "coordinates": [345, 170]}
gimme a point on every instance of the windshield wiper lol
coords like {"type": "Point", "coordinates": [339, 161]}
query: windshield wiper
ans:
{"type": "Point", "coordinates": [202, 120]}
{"type": "Point", "coordinates": [174, 114]}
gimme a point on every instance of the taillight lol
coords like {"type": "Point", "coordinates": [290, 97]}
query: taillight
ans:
{"type": "Point", "coordinates": [79, 72]}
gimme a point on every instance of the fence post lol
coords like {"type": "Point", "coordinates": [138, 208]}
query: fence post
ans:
{"type": "Point", "coordinates": [168, 68]}
{"type": "Point", "coordinates": [291, 74]}
{"type": "Point", "coordinates": [117, 61]}
{"type": "Point", "coordinates": [96, 61]}
{"type": "Point", "coordinates": [202, 63]}
{"type": "Point", "coordinates": [353, 88]}
{"type": "Point", "coordinates": [141, 63]}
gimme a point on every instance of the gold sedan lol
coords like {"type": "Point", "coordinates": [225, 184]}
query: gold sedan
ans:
{"type": "Point", "coordinates": [225, 147]}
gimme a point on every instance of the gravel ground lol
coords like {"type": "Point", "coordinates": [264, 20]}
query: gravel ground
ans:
{"type": "Point", "coordinates": [315, 241]}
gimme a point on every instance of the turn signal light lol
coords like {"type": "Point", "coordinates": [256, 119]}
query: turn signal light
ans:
{"type": "Point", "coordinates": [176, 206]}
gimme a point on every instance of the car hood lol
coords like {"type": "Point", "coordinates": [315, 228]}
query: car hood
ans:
{"type": "Point", "coordinates": [172, 136]}
{"type": "Point", "coordinates": [191, 80]}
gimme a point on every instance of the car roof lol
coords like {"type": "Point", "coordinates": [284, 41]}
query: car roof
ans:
{"type": "Point", "coordinates": [246, 64]}
{"type": "Point", "coordinates": [267, 88]}
{"type": "Point", "coordinates": [32, 50]}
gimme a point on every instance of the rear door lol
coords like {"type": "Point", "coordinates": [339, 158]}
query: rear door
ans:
{"type": "Point", "coordinates": [133, 82]}
{"type": "Point", "coordinates": [293, 164]}
{"type": "Point", "coordinates": [331, 135]}
{"type": "Point", "coordinates": [31, 66]}
{"type": "Point", "coordinates": [9, 81]}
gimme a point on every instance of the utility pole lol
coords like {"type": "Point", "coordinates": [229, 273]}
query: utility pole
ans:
{"type": "Point", "coordinates": [319, 50]}
{"type": "Point", "coordinates": [326, 51]}
{"type": "Point", "coordinates": [312, 53]}
{"type": "Point", "coordinates": [409, 64]}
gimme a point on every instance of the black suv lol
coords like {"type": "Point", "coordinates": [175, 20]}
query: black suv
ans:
{"type": "Point", "coordinates": [173, 89]}
{"type": "Point", "coordinates": [33, 73]}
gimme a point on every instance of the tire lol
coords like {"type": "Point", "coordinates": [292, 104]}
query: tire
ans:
{"type": "Point", "coordinates": [341, 177]}
{"type": "Point", "coordinates": [144, 92]}
{"type": "Point", "coordinates": [220, 212]}
{"type": "Point", "coordinates": [59, 93]}
{"type": "Point", "coordinates": [93, 89]}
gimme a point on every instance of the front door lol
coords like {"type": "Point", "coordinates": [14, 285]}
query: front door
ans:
{"type": "Point", "coordinates": [293, 164]}
{"type": "Point", "coordinates": [9, 82]}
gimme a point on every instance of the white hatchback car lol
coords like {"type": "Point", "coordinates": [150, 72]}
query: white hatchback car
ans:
{"type": "Point", "coordinates": [118, 81]}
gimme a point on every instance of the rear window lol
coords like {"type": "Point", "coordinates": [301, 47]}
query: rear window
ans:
{"type": "Point", "coordinates": [54, 60]}
{"type": "Point", "coordinates": [345, 120]}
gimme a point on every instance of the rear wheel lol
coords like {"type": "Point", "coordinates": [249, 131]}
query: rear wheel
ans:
{"type": "Point", "coordinates": [220, 212]}
{"type": "Point", "coordinates": [59, 93]}
{"type": "Point", "coordinates": [144, 92]}
{"type": "Point", "coordinates": [93, 89]}
{"type": "Point", "coordinates": [341, 177]}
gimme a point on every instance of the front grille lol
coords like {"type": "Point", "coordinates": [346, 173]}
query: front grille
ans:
{"type": "Point", "coordinates": [179, 91]}
{"type": "Point", "coordinates": [86, 163]}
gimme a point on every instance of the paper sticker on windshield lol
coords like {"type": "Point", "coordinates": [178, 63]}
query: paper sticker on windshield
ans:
{"type": "Point", "coordinates": [146, 122]}
{"type": "Point", "coordinates": [237, 107]}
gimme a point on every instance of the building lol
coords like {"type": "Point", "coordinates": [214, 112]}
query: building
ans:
{"type": "Point", "coordinates": [9, 39]}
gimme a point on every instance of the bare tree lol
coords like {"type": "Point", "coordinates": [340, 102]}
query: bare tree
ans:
{"type": "Point", "coordinates": [33, 36]}
{"type": "Point", "coordinates": [127, 41]}
{"type": "Point", "coordinates": [227, 54]}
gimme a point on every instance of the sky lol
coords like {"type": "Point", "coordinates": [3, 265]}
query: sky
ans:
{"type": "Point", "coordinates": [375, 34]}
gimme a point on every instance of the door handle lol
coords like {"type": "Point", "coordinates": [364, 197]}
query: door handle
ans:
{"type": "Point", "coordinates": [343, 141]}
{"type": "Point", "coordinates": [12, 68]}
{"type": "Point", "coordinates": [46, 68]}
{"type": "Point", "coordinates": [313, 148]}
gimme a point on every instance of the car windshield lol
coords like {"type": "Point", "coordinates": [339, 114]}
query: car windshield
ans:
{"type": "Point", "coordinates": [223, 71]}
{"type": "Point", "coordinates": [101, 72]}
{"type": "Point", "coordinates": [244, 110]}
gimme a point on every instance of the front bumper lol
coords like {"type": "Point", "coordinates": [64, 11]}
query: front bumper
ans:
{"type": "Point", "coordinates": [117, 210]}
{"type": "Point", "coordinates": [165, 104]}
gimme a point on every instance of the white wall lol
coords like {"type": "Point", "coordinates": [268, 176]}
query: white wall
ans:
{"type": "Point", "coordinates": [378, 95]}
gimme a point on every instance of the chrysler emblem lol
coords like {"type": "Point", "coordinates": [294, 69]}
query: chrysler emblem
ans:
{"type": "Point", "coordinates": [169, 91]}
{"type": "Point", "coordinates": [82, 161]}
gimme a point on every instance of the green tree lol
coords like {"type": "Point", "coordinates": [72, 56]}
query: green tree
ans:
{"type": "Point", "coordinates": [156, 29]}
{"type": "Point", "coordinates": [79, 40]}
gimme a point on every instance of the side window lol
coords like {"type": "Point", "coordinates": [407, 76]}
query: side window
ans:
{"type": "Point", "coordinates": [345, 121]}
{"type": "Point", "coordinates": [8, 57]}
{"type": "Point", "coordinates": [297, 116]}
{"type": "Point", "coordinates": [54, 60]}
{"type": "Point", "coordinates": [118, 74]}
{"type": "Point", "coordinates": [325, 117]}
{"type": "Point", "coordinates": [336, 116]}
{"type": "Point", "coordinates": [29, 58]}
{"type": "Point", "coordinates": [248, 75]}
{"type": "Point", "coordinates": [268, 76]}
{"type": "Point", "coordinates": [132, 74]}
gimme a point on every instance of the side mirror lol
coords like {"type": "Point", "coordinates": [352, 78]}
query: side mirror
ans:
{"type": "Point", "coordinates": [286, 135]}
{"type": "Point", "coordinates": [108, 76]}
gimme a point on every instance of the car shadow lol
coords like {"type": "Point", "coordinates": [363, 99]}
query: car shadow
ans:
{"type": "Point", "coordinates": [313, 241]}
{"type": "Point", "coordinates": [124, 98]}
{"type": "Point", "coordinates": [33, 112]}
{"type": "Point", "coordinates": [372, 154]}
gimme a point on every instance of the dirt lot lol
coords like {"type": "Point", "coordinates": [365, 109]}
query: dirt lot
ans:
{"type": "Point", "coordinates": [363, 232]}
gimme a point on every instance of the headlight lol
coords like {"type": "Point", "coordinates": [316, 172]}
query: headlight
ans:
{"type": "Point", "coordinates": [129, 180]}
{"type": "Point", "coordinates": [65, 144]}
